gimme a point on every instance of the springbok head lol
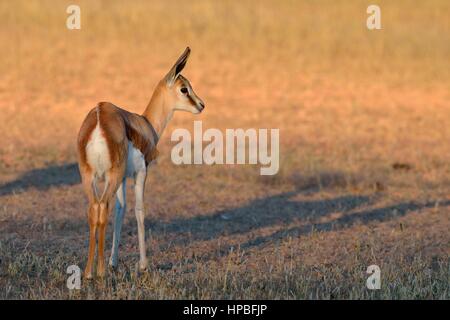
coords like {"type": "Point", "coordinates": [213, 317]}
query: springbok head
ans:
{"type": "Point", "coordinates": [179, 90]}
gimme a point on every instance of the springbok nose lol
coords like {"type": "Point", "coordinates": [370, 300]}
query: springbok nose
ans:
{"type": "Point", "coordinates": [202, 106]}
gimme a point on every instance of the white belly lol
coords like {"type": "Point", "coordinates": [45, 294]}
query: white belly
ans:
{"type": "Point", "coordinates": [135, 160]}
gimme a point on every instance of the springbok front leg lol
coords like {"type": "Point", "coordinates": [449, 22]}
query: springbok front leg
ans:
{"type": "Point", "coordinates": [139, 186]}
{"type": "Point", "coordinates": [120, 210]}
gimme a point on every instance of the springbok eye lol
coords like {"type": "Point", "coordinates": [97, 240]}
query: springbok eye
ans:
{"type": "Point", "coordinates": [184, 90]}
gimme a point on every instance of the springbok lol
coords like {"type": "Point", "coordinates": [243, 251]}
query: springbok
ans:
{"type": "Point", "coordinates": [114, 144]}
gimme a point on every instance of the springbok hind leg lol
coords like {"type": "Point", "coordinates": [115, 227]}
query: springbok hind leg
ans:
{"type": "Point", "coordinates": [92, 215]}
{"type": "Point", "coordinates": [92, 218]}
{"type": "Point", "coordinates": [105, 207]}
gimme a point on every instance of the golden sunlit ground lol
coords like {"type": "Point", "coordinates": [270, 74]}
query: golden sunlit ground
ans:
{"type": "Point", "coordinates": [364, 119]}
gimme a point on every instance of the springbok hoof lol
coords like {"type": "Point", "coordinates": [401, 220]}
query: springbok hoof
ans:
{"type": "Point", "coordinates": [143, 266]}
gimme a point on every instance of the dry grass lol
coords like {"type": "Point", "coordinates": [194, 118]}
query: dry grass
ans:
{"type": "Point", "coordinates": [350, 104]}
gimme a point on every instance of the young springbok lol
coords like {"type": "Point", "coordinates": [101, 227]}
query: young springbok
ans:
{"type": "Point", "coordinates": [114, 144]}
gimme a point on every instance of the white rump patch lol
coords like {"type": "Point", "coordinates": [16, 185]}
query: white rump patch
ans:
{"type": "Point", "coordinates": [97, 153]}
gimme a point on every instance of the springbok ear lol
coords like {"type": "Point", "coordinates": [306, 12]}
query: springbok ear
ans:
{"type": "Point", "coordinates": [177, 67]}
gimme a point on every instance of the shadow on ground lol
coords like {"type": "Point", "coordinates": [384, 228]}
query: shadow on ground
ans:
{"type": "Point", "coordinates": [347, 220]}
{"type": "Point", "coordinates": [279, 210]}
{"type": "Point", "coordinates": [274, 210]}
{"type": "Point", "coordinates": [43, 178]}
